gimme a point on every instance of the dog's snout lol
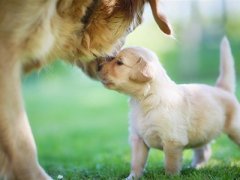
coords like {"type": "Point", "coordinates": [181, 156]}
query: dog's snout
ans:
{"type": "Point", "coordinates": [99, 67]}
{"type": "Point", "coordinates": [109, 58]}
{"type": "Point", "coordinates": [103, 61]}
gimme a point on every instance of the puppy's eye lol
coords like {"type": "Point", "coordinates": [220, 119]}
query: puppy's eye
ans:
{"type": "Point", "coordinates": [119, 63]}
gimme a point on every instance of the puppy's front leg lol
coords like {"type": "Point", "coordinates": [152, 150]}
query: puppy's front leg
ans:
{"type": "Point", "coordinates": [139, 157]}
{"type": "Point", "coordinates": [173, 158]}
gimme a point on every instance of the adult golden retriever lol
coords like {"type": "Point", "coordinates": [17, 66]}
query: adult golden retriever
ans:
{"type": "Point", "coordinates": [34, 32]}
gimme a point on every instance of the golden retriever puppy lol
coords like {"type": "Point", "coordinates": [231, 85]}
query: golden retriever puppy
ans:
{"type": "Point", "coordinates": [35, 32]}
{"type": "Point", "coordinates": [169, 116]}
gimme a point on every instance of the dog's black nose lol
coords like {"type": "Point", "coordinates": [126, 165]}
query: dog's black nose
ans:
{"type": "Point", "coordinates": [109, 58]}
{"type": "Point", "coordinates": [99, 67]}
{"type": "Point", "coordinates": [102, 61]}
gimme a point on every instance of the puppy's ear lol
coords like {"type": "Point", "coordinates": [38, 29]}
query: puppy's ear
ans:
{"type": "Point", "coordinates": [141, 72]}
{"type": "Point", "coordinates": [160, 18]}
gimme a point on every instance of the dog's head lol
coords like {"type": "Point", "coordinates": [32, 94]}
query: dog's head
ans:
{"type": "Point", "coordinates": [128, 72]}
{"type": "Point", "coordinates": [106, 23]}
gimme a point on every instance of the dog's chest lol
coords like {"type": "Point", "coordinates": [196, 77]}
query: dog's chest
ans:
{"type": "Point", "coordinates": [39, 30]}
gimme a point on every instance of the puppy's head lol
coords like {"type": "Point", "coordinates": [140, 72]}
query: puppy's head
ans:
{"type": "Point", "coordinates": [129, 71]}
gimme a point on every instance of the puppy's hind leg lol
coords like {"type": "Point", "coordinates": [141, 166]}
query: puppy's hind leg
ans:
{"type": "Point", "coordinates": [234, 135]}
{"type": "Point", "coordinates": [232, 127]}
{"type": "Point", "coordinates": [201, 156]}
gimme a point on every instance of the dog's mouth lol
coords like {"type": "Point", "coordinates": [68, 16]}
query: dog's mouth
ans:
{"type": "Point", "coordinates": [107, 83]}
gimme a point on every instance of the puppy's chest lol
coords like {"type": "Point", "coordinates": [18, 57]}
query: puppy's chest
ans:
{"type": "Point", "coordinates": [150, 130]}
{"type": "Point", "coordinates": [152, 138]}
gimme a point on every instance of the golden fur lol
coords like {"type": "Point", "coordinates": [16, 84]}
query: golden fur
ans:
{"type": "Point", "coordinates": [36, 32]}
{"type": "Point", "coordinates": [172, 117]}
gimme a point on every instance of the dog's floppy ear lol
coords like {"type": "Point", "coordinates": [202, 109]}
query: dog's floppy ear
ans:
{"type": "Point", "coordinates": [160, 18]}
{"type": "Point", "coordinates": [141, 72]}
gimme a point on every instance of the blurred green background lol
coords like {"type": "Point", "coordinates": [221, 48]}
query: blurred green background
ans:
{"type": "Point", "coordinates": [81, 128]}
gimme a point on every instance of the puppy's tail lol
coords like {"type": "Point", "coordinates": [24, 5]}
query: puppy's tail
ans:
{"type": "Point", "coordinates": [226, 79]}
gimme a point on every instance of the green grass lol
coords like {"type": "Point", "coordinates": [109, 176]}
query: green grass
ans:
{"type": "Point", "coordinates": [81, 130]}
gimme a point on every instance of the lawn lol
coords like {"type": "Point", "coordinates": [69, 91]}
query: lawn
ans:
{"type": "Point", "coordinates": [81, 130]}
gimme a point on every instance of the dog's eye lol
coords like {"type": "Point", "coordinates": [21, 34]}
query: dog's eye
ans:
{"type": "Point", "coordinates": [119, 62]}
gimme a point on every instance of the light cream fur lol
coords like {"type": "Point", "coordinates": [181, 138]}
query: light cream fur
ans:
{"type": "Point", "coordinates": [170, 116]}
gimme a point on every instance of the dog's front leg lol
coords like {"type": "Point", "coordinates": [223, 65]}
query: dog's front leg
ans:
{"type": "Point", "coordinates": [17, 146]}
{"type": "Point", "coordinates": [173, 158]}
{"type": "Point", "coordinates": [139, 157]}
